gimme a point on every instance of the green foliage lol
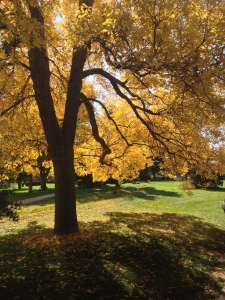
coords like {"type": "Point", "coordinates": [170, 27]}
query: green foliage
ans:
{"type": "Point", "coordinates": [8, 210]}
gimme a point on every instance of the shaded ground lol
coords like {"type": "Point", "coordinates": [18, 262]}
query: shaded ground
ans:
{"type": "Point", "coordinates": [130, 256]}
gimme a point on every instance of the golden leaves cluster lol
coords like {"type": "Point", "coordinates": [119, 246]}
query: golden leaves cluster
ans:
{"type": "Point", "coordinates": [171, 55]}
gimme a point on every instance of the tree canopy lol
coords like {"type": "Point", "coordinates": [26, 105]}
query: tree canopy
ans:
{"type": "Point", "coordinates": [149, 75]}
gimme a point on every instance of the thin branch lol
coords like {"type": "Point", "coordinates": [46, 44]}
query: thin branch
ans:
{"type": "Point", "coordinates": [115, 84]}
{"type": "Point", "coordinates": [15, 104]}
{"type": "Point", "coordinates": [111, 119]}
{"type": "Point", "coordinates": [24, 65]}
{"type": "Point", "coordinates": [100, 140]}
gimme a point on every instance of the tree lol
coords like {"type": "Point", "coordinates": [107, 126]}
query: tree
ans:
{"type": "Point", "coordinates": [163, 59]}
{"type": "Point", "coordinates": [23, 145]}
{"type": "Point", "coordinates": [21, 179]}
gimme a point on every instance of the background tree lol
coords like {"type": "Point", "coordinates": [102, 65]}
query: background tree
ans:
{"type": "Point", "coordinates": [22, 179]}
{"type": "Point", "coordinates": [164, 59]}
{"type": "Point", "coordinates": [23, 144]}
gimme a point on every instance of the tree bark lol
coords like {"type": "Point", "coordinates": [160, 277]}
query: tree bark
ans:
{"type": "Point", "coordinates": [30, 180]}
{"type": "Point", "coordinates": [19, 182]}
{"type": "Point", "coordinates": [43, 176]}
{"type": "Point", "coordinates": [43, 179]}
{"type": "Point", "coordinates": [65, 196]}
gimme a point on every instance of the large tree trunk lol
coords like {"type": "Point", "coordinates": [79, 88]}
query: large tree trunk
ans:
{"type": "Point", "coordinates": [65, 196]}
{"type": "Point", "coordinates": [60, 139]}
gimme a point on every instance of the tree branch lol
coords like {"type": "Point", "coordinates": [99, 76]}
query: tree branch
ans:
{"type": "Point", "coordinates": [15, 104]}
{"type": "Point", "coordinates": [44, 157]}
{"type": "Point", "coordinates": [94, 126]}
{"type": "Point", "coordinates": [116, 83]}
{"type": "Point", "coordinates": [110, 118]}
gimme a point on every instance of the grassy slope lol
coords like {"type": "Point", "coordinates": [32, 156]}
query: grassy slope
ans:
{"type": "Point", "coordinates": [142, 241]}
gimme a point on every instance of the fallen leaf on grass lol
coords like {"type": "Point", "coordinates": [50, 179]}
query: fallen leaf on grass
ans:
{"type": "Point", "coordinates": [51, 240]}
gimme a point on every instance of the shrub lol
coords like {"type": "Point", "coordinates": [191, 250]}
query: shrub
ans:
{"type": "Point", "coordinates": [8, 210]}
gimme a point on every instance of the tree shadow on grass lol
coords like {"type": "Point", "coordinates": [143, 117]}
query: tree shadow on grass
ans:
{"type": "Point", "coordinates": [130, 256]}
{"type": "Point", "coordinates": [217, 189]}
{"type": "Point", "coordinates": [85, 195]}
{"type": "Point", "coordinates": [144, 193]}
{"type": "Point", "coordinates": [149, 193]}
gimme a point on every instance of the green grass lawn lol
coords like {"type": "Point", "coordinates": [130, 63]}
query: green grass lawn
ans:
{"type": "Point", "coordinates": [139, 241]}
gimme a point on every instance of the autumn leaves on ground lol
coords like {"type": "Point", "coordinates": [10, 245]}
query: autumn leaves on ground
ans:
{"type": "Point", "coordinates": [139, 241]}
